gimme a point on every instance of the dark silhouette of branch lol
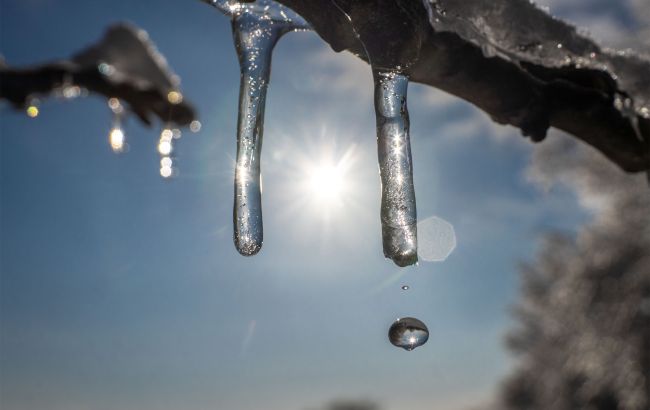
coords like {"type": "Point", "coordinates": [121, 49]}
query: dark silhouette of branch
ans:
{"type": "Point", "coordinates": [123, 65]}
{"type": "Point", "coordinates": [507, 57]}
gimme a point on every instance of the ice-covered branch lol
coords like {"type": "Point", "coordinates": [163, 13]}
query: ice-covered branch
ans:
{"type": "Point", "coordinates": [507, 57]}
{"type": "Point", "coordinates": [124, 65]}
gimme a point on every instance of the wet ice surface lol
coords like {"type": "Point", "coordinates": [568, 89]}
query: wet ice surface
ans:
{"type": "Point", "coordinates": [496, 27]}
{"type": "Point", "coordinates": [398, 210]}
{"type": "Point", "coordinates": [408, 333]}
{"type": "Point", "coordinates": [256, 29]}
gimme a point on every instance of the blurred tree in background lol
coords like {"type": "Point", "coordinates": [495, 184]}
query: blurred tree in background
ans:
{"type": "Point", "coordinates": [583, 338]}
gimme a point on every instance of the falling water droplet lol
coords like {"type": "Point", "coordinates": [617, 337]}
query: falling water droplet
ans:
{"type": "Point", "coordinates": [406, 287]}
{"type": "Point", "coordinates": [398, 210]}
{"type": "Point", "coordinates": [408, 333]}
{"type": "Point", "coordinates": [174, 97]}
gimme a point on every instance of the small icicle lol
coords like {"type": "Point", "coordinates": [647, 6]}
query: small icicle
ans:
{"type": "Point", "coordinates": [398, 211]}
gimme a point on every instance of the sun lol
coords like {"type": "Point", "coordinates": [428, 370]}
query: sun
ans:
{"type": "Point", "coordinates": [327, 182]}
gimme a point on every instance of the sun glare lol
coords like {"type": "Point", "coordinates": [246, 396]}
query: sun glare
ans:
{"type": "Point", "coordinates": [327, 182]}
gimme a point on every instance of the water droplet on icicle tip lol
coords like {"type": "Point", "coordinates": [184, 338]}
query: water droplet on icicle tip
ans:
{"type": "Point", "coordinates": [165, 143]}
{"type": "Point", "coordinates": [32, 111]}
{"type": "Point", "coordinates": [398, 209]}
{"type": "Point", "coordinates": [195, 126]}
{"type": "Point", "coordinates": [436, 239]}
{"type": "Point", "coordinates": [165, 149]}
{"type": "Point", "coordinates": [116, 139]}
{"type": "Point", "coordinates": [115, 106]}
{"type": "Point", "coordinates": [71, 91]}
{"type": "Point", "coordinates": [174, 97]}
{"type": "Point", "coordinates": [408, 333]}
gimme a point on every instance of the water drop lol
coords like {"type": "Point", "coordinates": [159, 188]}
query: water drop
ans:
{"type": "Point", "coordinates": [195, 126]}
{"type": "Point", "coordinates": [408, 333]}
{"type": "Point", "coordinates": [166, 162]}
{"type": "Point", "coordinates": [166, 172]}
{"type": "Point", "coordinates": [406, 287]}
{"type": "Point", "coordinates": [115, 106]}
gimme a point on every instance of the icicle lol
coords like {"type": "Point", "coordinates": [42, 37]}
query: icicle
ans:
{"type": "Point", "coordinates": [398, 211]}
{"type": "Point", "coordinates": [256, 29]}
{"type": "Point", "coordinates": [254, 43]}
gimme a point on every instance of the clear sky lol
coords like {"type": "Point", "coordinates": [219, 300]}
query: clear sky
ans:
{"type": "Point", "coordinates": [120, 290]}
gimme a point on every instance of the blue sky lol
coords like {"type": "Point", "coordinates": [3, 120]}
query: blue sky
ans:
{"type": "Point", "coordinates": [120, 290]}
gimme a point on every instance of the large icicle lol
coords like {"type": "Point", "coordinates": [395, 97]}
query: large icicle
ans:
{"type": "Point", "coordinates": [256, 29]}
{"type": "Point", "coordinates": [398, 211]}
